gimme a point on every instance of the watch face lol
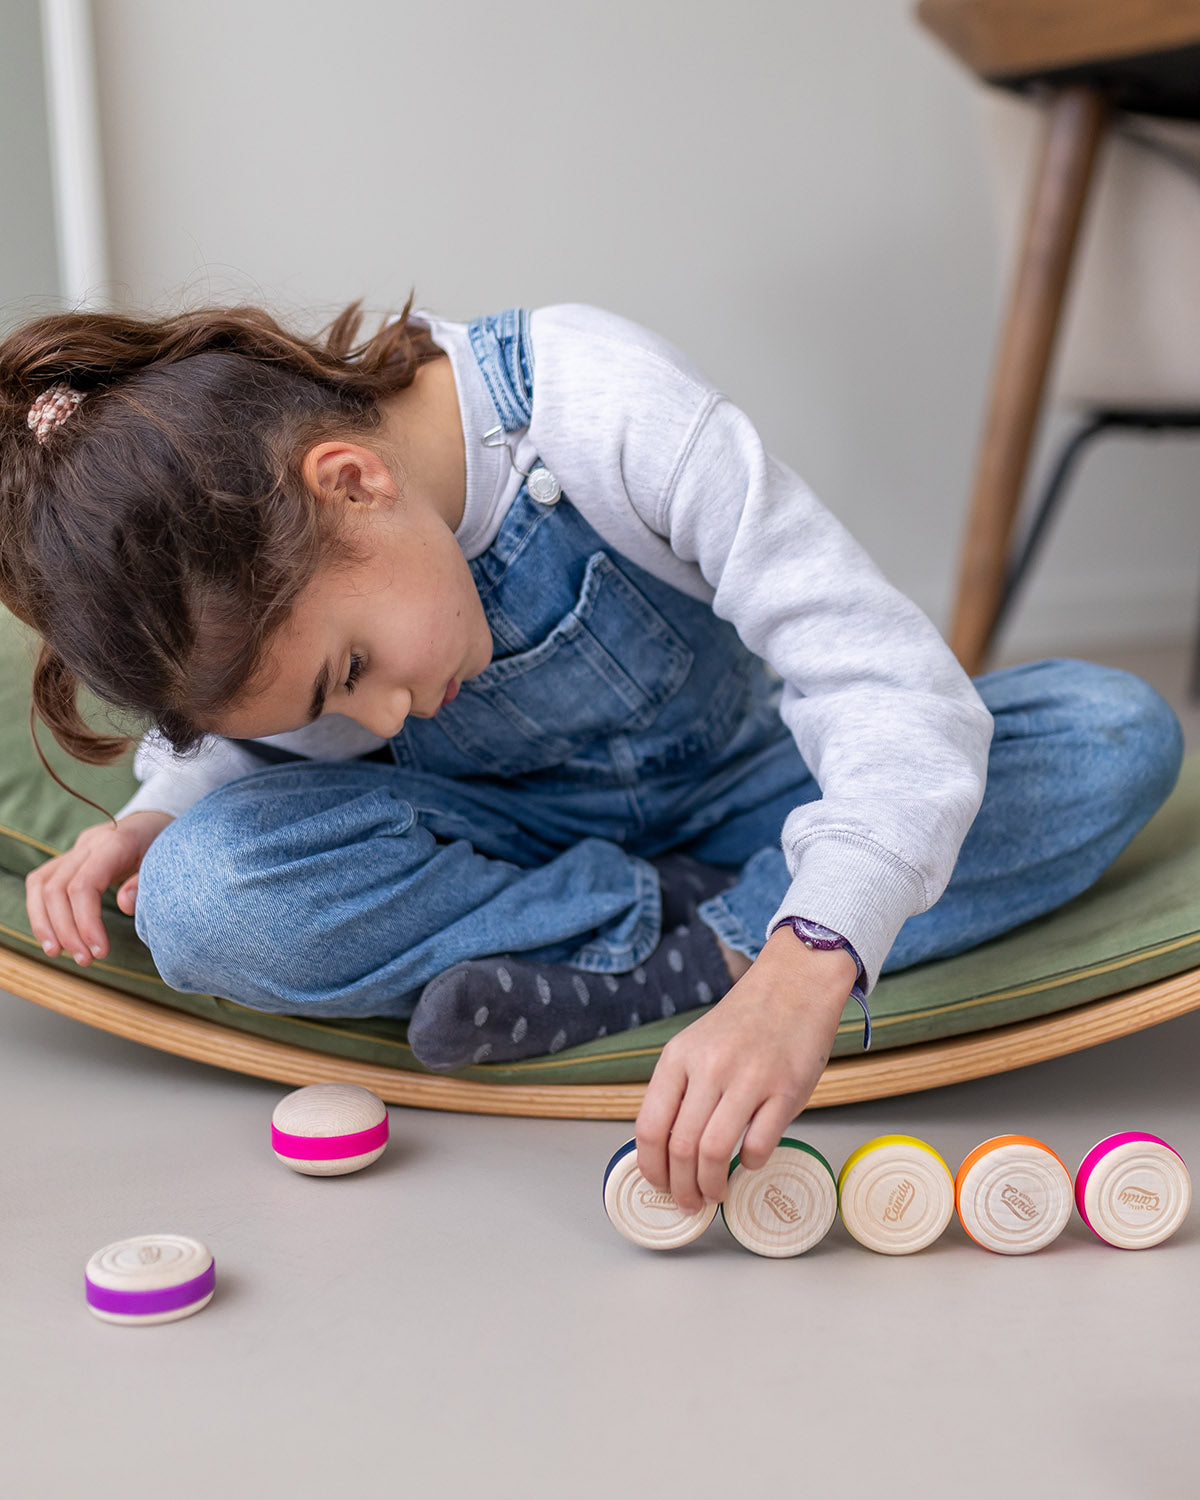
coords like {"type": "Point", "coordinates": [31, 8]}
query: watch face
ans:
{"type": "Point", "coordinates": [815, 935]}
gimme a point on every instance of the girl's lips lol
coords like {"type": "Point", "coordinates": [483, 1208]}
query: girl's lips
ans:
{"type": "Point", "coordinates": [451, 693]}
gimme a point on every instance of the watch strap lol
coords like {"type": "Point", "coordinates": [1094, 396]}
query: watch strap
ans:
{"type": "Point", "coordinates": [825, 940]}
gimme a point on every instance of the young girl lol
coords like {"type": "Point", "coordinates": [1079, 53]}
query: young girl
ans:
{"type": "Point", "coordinates": [455, 649]}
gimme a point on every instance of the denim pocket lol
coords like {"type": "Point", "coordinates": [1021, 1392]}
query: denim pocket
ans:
{"type": "Point", "coordinates": [606, 667]}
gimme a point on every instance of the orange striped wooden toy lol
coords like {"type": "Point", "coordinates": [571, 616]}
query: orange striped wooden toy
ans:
{"type": "Point", "coordinates": [1013, 1194]}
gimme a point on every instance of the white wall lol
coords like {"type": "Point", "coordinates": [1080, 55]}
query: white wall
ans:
{"type": "Point", "coordinates": [795, 191]}
{"type": "Point", "coordinates": [28, 259]}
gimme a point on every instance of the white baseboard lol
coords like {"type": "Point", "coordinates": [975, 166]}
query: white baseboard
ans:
{"type": "Point", "coordinates": [1065, 616]}
{"type": "Point", "coordinates": [1079, 613]}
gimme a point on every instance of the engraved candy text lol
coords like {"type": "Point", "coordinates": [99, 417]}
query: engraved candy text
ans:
{"type": "Point", "coordinates": [781, 1205]}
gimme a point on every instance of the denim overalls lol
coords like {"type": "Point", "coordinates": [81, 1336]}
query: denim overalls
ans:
{"type": "Point", "coordinates": [619, 718]}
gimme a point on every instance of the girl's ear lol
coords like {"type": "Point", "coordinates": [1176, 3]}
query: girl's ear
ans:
{"type": "Point", "coordinates": [339, 472]}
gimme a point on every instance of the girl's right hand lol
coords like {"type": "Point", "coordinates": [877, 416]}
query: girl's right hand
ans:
{"type": "Point", "coordinates": [63, 895]}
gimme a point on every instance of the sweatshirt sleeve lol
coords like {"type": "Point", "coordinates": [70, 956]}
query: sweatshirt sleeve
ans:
{"type": "Point", "coordinates": [889, 724]}
{"type": "Point", "coordinates": [171, 783]}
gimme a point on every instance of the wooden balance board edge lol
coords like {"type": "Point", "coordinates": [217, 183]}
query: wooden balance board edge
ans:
{"type": "Point", "coordinates": [879, 1075]}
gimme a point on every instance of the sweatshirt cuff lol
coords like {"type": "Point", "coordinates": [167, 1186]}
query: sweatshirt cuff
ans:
{"type": "Point", "coordinates": [846, 883]}
{"type": "Point", "coordinates": [163, 798]}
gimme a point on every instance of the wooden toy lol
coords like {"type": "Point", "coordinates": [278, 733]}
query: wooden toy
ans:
{"type": "Point", "coordinates": [1013, 1194]}
{"type": "Point", "coordinates": [151, 1278]}
{"type": "Point", "coordinates": [1133, 1190]}
{"type": "Point", "coordinates": [327, 1129]}
{"type": "Point", "coordinates": [642, 1213]}
{"type": "Point", "coordinates": [896, 1194]}
{"type": "Point", "coordinates": [786, 1206]}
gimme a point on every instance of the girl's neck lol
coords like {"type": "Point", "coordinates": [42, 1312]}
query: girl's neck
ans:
{"type": "Point", "coordinates": [422, 425]}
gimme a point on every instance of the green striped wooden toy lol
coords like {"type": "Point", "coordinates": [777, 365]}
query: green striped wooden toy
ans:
{"type": "Point", "coordinates": [785, 1207]}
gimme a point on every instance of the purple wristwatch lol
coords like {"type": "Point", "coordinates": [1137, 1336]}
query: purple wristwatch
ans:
{"type": "Point", "coordinates": [824, 939]}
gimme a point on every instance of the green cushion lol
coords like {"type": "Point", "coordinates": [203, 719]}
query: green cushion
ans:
{"type": "Point", "coordinates": [37, 817]}
{"type": "Point", "coordinates": [1138, 924]}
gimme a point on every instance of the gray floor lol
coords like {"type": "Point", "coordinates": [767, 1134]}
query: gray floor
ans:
{"type": "Point", "coordinates": [461, 1320]}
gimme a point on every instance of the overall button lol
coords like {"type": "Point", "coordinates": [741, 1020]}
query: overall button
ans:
{"type": "Point", "coordinates": [543, 487]}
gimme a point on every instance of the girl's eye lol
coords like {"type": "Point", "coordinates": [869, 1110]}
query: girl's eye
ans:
{"type": "Point", "coordinates": [355, 672]}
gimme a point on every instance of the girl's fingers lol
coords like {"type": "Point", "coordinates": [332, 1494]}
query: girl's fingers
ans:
{"type": "Point", "coordinates": [683, 1148]}
{"type": "Point", "coordinates": [719, 1141]}
{"type": "Point", "coordinates": [655, 1118]}
{"type": "Point", "coordinates": [39, 919]}
{"type": "Point", "coordinates": [127, 896]}
{"type": "Point", "coordinates": [84, 895]}
{"type": "Point", "coordinates": [765, 1130]}
{"type": "Point", "coordinates": [62, 921]}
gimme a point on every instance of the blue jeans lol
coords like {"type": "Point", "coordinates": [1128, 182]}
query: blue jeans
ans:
{"type": "Point", "coordinates": [340, 889]}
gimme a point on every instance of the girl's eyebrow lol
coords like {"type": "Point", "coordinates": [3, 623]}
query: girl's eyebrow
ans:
{"type": "Point", "coordinates": [320, 688]}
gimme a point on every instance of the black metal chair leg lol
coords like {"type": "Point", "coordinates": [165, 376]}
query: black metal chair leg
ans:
{"type": "Point", "coordinates": [1068, 456]}
{"type": "Point", "coordinates": [1150, 420]}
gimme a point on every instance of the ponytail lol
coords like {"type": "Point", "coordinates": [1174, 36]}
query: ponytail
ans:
{"type": "Point", "coordinates": [56, 702]}
{"type": "Point", "coordinates": [98, 351]}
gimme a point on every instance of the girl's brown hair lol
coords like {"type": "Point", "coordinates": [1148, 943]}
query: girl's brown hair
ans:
{"type": "Point", "coordinates": [158, 538]}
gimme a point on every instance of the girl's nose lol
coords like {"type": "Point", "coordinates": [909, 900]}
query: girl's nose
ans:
{"type": "Point", "coordinates": [385, 712]}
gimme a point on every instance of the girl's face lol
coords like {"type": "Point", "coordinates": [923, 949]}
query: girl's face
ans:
{"type": "Point", "coordinates": [398, 630]}
{"type": "Point", "coordinates": [375, 640]}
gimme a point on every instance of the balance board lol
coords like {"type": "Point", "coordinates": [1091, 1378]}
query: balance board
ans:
{"type": "Point", "coordinates": [1123, 956]}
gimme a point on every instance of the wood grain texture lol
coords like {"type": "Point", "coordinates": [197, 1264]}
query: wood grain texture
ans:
{"type": "Point", "coordinates": [1074, 126]}
{"type": "Point", "coordinates": [323, 1113]}
{"type": "Point", "coordinates": [896, 1195]}
{"type": "Point", "coordinates": [1133, 1190]}
{"type": "Point", "coordinates": [999, 38]}
{"type": "Point", "coordinates": [1014, 1195]}
{"type": "Point", "coordinates": [880, 1075]}
{"type": "Point", "coordinates": [784, 1207]}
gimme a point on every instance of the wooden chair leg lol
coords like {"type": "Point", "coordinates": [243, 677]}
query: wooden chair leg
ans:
{"type": "Point", "coordinates": [1075, 125]}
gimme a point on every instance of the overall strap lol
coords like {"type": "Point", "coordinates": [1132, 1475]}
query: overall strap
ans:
{"type": "Point", "coordinates": [502, 348]}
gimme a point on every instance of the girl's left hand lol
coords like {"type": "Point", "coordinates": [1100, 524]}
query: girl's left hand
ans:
{"type": "Point", "coordinates": [750, 1064]}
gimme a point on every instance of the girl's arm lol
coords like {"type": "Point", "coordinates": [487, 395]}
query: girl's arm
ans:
{"type": "Point", "coordinates": [882, 714]}
{"type": "Point", "coordinates": [672, 473]}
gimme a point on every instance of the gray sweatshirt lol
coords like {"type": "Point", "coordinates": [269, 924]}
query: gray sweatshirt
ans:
{"type": "Point", "coordinates": [674, 477]}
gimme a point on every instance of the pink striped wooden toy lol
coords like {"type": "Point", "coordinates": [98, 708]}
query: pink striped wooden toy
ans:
{"type": "Point", "coordinates": [151, 1278]}
{"type": "Point", "coordinates": [1133, 1190]}
{"type": "Point", "coordinates": [328, 1129]}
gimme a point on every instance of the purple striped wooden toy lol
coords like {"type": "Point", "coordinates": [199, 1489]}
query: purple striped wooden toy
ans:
{"type": "Point", "coordinates": [151, 1278]}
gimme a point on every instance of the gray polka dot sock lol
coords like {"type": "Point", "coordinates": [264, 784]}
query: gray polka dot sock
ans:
{"type": "Point", "coordinates": [498, 1009]}
{"type": "Point", "coordinates": [686, 882]}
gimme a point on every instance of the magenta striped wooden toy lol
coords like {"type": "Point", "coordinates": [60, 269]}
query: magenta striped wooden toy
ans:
{"type": "Point", "coordinates": [1133, 1190]}
{"type": "Point", "coordinates": [328, 1129]}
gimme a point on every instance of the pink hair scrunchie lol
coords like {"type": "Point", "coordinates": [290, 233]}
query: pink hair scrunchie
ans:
{"type": "Point", "coordinates": [51, 410]}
